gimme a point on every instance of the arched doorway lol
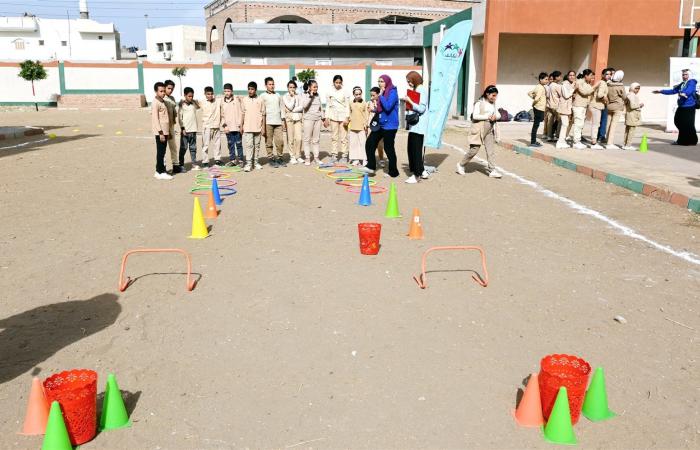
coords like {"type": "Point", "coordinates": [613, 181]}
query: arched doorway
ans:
{"type": "Point", "coordinates": [288, 19]}
{"type": "Point", "coordinates": [213, 37]}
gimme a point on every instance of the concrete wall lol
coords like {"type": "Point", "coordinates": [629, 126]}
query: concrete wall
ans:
{"type": "Point", "coordinates": [79, 45]}
{"type": "Point", "coordinates": [198, 77]}
{"type": "Point", "coordinates": [97, 78]}
{"type": "Point", "coordinates": [15, 90]}
{"type": "Point", "coordinates": [239, 76]}
{"type": "Point", "coordinates": [313, 55]}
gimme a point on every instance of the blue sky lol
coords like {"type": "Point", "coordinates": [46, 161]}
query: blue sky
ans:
{"type": "Point", "coordinates": [127, 15]}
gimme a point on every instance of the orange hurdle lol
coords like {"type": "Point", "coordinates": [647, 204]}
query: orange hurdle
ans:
{"type": "Point", "coordinates": [123, 284]}
{"type": "Point", "coordinates": [422, 280]}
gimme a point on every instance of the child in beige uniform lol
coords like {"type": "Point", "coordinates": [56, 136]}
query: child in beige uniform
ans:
{"type": "Point", "coordinates": [293, 116]}
{"type": "Point", "coordinates": [211, 126]}
{"type": "Point", "coordinates": [160, 126]}
{"type": "Point", "coordinates": [337, 118]}
{"type": "Point", "coordinates": [357, 136]}
{"type": "Point", "coordinates": [253, 108]}
{"type": "Point", "coordinates": [633, 118]}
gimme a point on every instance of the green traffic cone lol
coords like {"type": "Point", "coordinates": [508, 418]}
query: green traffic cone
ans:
{"type": "Point", "coordinates": [644, 145]}
{"type": "Point", "coordinates": [113, 410]}
{"type": "Point", "coordinates": [595, 404]}
{"type": "Point", "coordinates": [56, 437]}
{"type": "Point", "coordinates": [559, 429]}
{"type": "Point", "coordinates": [392, 206]}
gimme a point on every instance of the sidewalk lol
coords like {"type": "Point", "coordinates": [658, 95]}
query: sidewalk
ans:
{"type": "Point", "coordinates": [666, 172]}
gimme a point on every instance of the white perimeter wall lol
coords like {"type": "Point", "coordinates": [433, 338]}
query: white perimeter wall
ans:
{"type": "Point", "coordinates": [101, 78]}
{"type": "Point", "coordinates": [196, 78]}
{"type": "Point", "coordinates": [240, 77]}
{"type": "Point", "coordinates": [15, 89]}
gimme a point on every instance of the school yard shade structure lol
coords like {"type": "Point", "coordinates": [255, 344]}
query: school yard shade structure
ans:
{"type": "Point", "coordinates": [513, 40]}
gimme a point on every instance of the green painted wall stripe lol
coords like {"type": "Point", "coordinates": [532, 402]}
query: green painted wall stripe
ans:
{"type": "Point", "coordinates": [28, 103]}
{"type": "Point", "coordinates": [694, 205]}
{"type": "Point", "coordinates": [292, 71]}
{"type": "Point", "coordinates": [218, 79]}
{"type": "Point", "coordinates": [368, 80]}
{"type": "Point", "coordinates": [140, 72]}
{"type": "Point", "coordinates": [564, 163]}
{"type": "Point", "coordinates": [61, 78]}
{"type": "Point", "coordinates": [626, 183]}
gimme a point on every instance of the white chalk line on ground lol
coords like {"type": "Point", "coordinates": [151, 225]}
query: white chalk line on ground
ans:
{"type": "Point", "coordinates": [581, 209]}
{"type": "Point", "coordinates": [24, 144]}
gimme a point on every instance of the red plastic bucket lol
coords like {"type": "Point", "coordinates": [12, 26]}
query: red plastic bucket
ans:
{"type": "Point", "coordinates": [563, 370]}
{"type": "Point", "coordinates": [369, 237]}
{"type": "Point", "coordinates": [76, 391]}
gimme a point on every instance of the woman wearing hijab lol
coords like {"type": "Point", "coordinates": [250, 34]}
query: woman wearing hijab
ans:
{"type": "Point", "coordinates": [633, 118]}
{"type": "Point", "coordinates": [388, 110]}
{"type": "Point", "coordinates": [684, 119]}
{"type": "Point", "coordinates": [616, 106]}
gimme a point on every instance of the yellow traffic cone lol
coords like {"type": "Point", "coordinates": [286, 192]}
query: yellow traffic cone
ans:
{"type": "Point", "coordinates": [199, 226]}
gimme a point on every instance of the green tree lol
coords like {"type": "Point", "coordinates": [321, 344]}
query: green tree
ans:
{"type": "Point", "coordinates": [306, 75]}
{"type": "Point", "coordinates": [180, 72]}
{"type": "Point", "coordinates": [32, 71]}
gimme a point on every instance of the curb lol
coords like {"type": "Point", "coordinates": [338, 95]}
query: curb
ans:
{"type": "Point", "coordinates": [662, 194]}
{"type": "Point", "coordinates": [19, 132]}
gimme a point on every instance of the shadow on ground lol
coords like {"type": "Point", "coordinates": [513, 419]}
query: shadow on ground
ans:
{"type": "Point", "coordinates": [16, 146]}
{"type": "Point", "coordinates": [30, 337]}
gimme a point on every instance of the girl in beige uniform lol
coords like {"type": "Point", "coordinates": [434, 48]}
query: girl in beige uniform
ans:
{"type": "Point", "coordinates": [483, 132]}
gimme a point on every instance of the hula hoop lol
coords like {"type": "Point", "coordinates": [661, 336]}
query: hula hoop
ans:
{"type": "Point", "coordinates": [333, 168]}
{"type": "Point", "coordinates": [221, 183]}
{"type": "Point", "coordinates": [211, 176]}
{"type": "Point", "coordinates": [372, 189]}
{"type": "Point", "coordinates": [225, 169]}
{"type": "Point", "coordinates": [345, 175]}
{"type": "Point", "coordinates": [353, 183]}
{"type": "Point", "coordinates": [197, 191]}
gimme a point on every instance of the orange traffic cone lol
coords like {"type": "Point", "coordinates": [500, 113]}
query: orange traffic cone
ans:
{"type": "Point", "coordinates": [416, 229]}
{"type": "Point", "coordinates": [529, 412]}
{"type": "Point", "coordinates": [211, 212]}
{"type": "Point", "coordinates": [37, 410]}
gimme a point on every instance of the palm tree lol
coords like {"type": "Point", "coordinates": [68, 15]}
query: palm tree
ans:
{"type": "Point", "coordinates": [180, 72]}
{"type": "Point", "coordinates": [32, 71]}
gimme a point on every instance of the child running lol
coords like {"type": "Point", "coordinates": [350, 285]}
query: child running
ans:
{"type": "Point", "coordinates": [160, 125]}
{"type": "Point", "coordinates": [357, 136]}
{"type": "Point", "coordinates": [483, 131]}
{"type": "Point", "coordinates": [187, 120]}
{"type": "Point", "coordinates": [253, 108]}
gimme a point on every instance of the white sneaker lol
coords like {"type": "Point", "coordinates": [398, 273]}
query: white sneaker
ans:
{"type": "Point", "coordinates": [247, 168]}
{"type": "Point", "coordinates": [597, 147]}
{"type": "Point", "coordinates": [292, 161]}
{"type": "Point", "coordinates": [381, 163]}
{"type": "Point", "coordinates": [425, 175]}
{"type": "Point", "coordinates": [300, 160]}
{"type": "Point", "coordinates": [460, 169]}
{"type": "Point", "coordinates": [495, 174]}
{"type": "Point", "coordinates": [628, 147]}
{"type": "Point", "coordinates": [319, 162]}
{"type": "Point", "coordinates": [580, 146]}
{"type": "Point", "coordinates": [355, 162]}
{"type": "Point", "coordinates": [612, 147]}
{"type": "Point", "coordinates": [196, 167]}
{"type": "Point", "coordinates": [258, 166]}
{"type": "Point", "coordinates": [307, 162]}
{"type": "Point", "coordinates": [156, 176]}
{"type": "Point", "coordinates": [163, 176]}
{"type": "Point", "coordinates": [411, 180]}
{"type": "Point", "coordinates": [563, 145]}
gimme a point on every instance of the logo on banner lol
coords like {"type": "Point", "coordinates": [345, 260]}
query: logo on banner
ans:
{"type": "Point", "coordinates": [451, 50]}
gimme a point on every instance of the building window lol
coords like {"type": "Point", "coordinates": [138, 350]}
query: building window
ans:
{"type": "Point", "coordinates": [19, 44]}
{"type": "Point", "coordinates": [200, 46]}
{"type": "Point", "coordinates": [324, 62]}
{"type": "Point", "coordinates": [99, 37]}
{"type": "Point", "coordinates": [160, 46]}
{"type": "Point", "coordinates": [169, 46]}
{"type": "Point", "coordinates": [41, 42]}
{"type": "Point", "coordinates": [64, 43]}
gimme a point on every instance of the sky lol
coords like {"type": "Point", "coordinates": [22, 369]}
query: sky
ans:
{"type": "Point", "coordinates": [127, 15]}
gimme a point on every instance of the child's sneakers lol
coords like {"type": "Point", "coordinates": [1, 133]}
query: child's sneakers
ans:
{"type": "Point", "coordinates": [307, 162]}
{"type": "Point", "coordinates": [196, 167]}
{"type": "Point", "coordinates": [460, 169]}
{"type": "Point", "coordinates": [218, 163]}
{"type": "Point", "coordinates": [232, 163]}
{"type": "Point", "coordinates": [292, 161]}
{"type": "Point", "coordinates": [300, 160]}
{"type": "Point", "coordinates": [162, 176]}
{"type": "Point", "coordinates": [247, 168]}
{"type": "Point", "coordinates": [258, 166]}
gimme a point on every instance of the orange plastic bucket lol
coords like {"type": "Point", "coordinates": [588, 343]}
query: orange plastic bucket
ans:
{"type": "Point", "coordinates": [369, 237]}
{"type": "Point", "coordinates": [76, 392]}
{"type": "Point", "coordinates": [569, 371]}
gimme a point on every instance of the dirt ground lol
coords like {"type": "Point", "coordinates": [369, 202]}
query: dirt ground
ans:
{"type": "Point", "coordinates": [292, 339]}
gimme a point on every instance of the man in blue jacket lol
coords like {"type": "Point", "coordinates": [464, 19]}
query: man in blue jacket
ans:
{"type": "Point", "coordinates": [684, 118]}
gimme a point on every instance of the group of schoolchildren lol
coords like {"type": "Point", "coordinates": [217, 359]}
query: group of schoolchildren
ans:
{"type": "Point", "coordinates": [563, 103]}
{"type": "Point", "coordinates": [293, 119]}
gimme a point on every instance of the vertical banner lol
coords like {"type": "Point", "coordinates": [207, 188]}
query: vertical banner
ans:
{"type": "Point", "coordinates": [443, 78]}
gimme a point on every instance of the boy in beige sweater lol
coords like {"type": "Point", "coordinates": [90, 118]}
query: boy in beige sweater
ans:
{"type": "Point", "coordinates": [211, 126]}
{"type": "Point", "coordinates": [160, 126]}
{"type": "Point", "coordinates": [539, 103]}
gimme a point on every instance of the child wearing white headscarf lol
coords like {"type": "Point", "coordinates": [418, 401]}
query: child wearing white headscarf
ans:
{"type": "Point", "coordinates": [633, 118]}
{"type": "Point", "coordinates": [616, 106]}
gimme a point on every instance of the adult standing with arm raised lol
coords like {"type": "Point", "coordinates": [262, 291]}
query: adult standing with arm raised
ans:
{"type": "Point", "coordinates": [684, 119]}
{"type": "Point", "coordinates": [417, 126]}
{"type": "Point", "coordinates": [388, 109]}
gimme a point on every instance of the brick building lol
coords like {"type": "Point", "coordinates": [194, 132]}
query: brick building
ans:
{"type": "Point", "coordinates": [325, 12]}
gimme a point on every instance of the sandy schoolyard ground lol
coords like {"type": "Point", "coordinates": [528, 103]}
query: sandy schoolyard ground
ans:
{"type": "Point", "coordinates": [292, 339]}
